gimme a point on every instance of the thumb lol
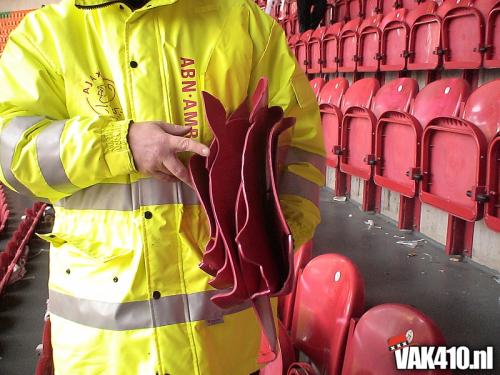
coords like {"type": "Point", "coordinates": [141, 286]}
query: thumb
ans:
{"type": "Point", "coordinates": [177, 130]}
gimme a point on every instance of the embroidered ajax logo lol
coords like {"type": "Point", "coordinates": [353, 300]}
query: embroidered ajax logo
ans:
{"type": "Point", "coordinates": [101, 96]}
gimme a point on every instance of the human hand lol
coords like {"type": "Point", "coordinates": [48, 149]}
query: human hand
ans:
{"type": "Point", "coordinates": [154, 145]}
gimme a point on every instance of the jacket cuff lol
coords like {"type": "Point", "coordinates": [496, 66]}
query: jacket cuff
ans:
{"type": "Point", "coordinates": [117, 152]}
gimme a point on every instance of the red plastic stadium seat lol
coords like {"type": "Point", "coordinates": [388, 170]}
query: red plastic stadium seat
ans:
{"type": "Point", "coordinates": [285, 304]}
{"type": "Point", "coordinates": [398, 136]}
{"type": "Point", "coordinates": [302, 52]}
{"type": "Point", "coordinates": [394, 41]}
{"type": "Point", "coordinates": [292, 42]}
{"type": "Point", "coordinates": [348, 46]}
{"type": "Point", "coordinates": [330, 99]}
{"type": "Point", "coordinates": [492, 45]}
{"type": "Point", "coordinates": [330, 48]}
{"type": "Point", "coordinates": [462, 35]}
{"type": "Point", "coordinates": [450, 144]}
{"type": "Point", "coordinates": [492, 210]}
{"type": "Point", "coordinates": [373, 7]}
{"type": "Point", "coordinates": [424, 44]}
{"type": "Point", "coordinates": [408, 4]}
{"type": "Point", "coordinates": [329, 17]}
{"type": "Point", "coordinates": [315, 50]}
{"type": "Point", "coordinates": [358, 129]}
{"type": "Point", "coordinates": [347, 9]}
{"type": "Point", "coordinates": [369, 346]}
{"type": "Point", "coordinates": [369, 44]}
{"type": "Point", "coordinates": [291, 20]}
{"type": "Point", "coordinates": [330, 292]}
{"type": "Point", "coordinates": [317, 84]}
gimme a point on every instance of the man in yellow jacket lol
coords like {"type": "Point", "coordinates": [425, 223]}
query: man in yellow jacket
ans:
{"type": "Point", "coordinates": [126, 296]}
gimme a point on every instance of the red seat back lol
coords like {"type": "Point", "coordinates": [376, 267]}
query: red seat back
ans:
{"type": "Point", "coordinates": [394, 41]}
{"type": "Point", "coordinates": [492, 42]}
{"type": "Point", "coordinates": [330, 292]}
{"type": "Point", "coordinates": [348, 46]}
{"type": "Point", "coordinates": [329, 100]}
{"type": "Point", "coordinates": [492, 209]}
{"type": "Point", "coordinates": [444, 97]}
{"type": "Point", "coordinates": [396, 95]}
{"type": "Point", "coordinates": [424, 41]}
{"type": "Point", "coordinates": [368, 348]}
{"type": "Point", "coordinates": [285, 304]}
{"type": "Point", "coordinates": [463, 33]}
{"type": "Point", "coordinates": [317, 84]}
{"type": "Point", "coordinates": [330, 48]}
{"type": "Point", "coordinates": [369, 44]}
{"type": "Point", "coordinates": [315, 50]}
{"type": "Point", "coordinates": [360, 94]}
{"type": "Point", "coordinates": [333, 92]}
{"type": "Point", "coordinates": [302, 50]}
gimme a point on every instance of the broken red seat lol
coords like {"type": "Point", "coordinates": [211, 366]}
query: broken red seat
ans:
{"type": "Point", "coordinates": [451, 144]}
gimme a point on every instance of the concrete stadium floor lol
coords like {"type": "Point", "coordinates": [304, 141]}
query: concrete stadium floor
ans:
{"type": "Point", "coordinates": [462, 298]}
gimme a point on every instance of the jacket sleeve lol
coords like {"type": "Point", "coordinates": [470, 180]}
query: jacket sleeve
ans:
{"type": "Point", "coordinates": [44, 153]}
{"type": "Point", "coordinates": [304, 167]}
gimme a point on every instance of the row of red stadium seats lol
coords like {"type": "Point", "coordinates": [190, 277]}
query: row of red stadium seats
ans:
{"type": "Point", "coordinates": [4, 210]}
{"type": "Point", "coordinates": [330, 327]}
{"type": "Point", "coordinates": [459, 34]}
{"type": "Point", "coordinates": [14, 255]}
{"type": "Point", "coordinates": [416, 143]}
{"type": "Point", "coordinates": [9, 22]}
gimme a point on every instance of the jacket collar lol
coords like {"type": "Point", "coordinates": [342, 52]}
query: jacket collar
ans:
{"type": "Point", "coordinates": [102, 3]}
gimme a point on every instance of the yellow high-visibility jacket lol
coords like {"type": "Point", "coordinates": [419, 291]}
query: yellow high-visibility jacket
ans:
{"type": "Point", "coordinates": [126, 294]}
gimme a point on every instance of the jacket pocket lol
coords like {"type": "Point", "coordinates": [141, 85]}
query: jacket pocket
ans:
{"type": "Point", "coordinates": [82, 247]}
{"type": "Point", "coordinates": [90, 269]}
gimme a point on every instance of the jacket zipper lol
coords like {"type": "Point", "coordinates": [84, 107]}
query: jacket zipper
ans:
{"type": "Point", "coordinates": [90, 7]}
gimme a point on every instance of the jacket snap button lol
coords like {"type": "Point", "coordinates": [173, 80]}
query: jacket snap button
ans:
{"type": "Point", "coordinates": [133, 64]}
{"type": "Point", "coordinates": [68, 271]}
{"type": "Point", "coordinates": [148, 215]}
{"type": "Point", "coordinates": [156, 294]}
{"type": "Point", "coordinates": [115, 279]}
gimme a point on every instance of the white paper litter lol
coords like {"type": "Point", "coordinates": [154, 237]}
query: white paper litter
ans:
{"type": "Point", "coordinates": [410, 244]}
{"type": "Point", "coordinates": [340, 199]}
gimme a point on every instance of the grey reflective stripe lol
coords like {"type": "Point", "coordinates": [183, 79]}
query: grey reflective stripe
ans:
{"type": "Point", "coordinates": [297, 155]}
{"type": "Point", "coordinates": [293, 184]}
{"type": "Point", "coordinates": [165, 311]}
{"type": "Point", "coordinates": [129, 197]}
{"type": "Point", "coordinates": [10, 136]}
{"type": "Point", "coordinates": [48, 148]}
